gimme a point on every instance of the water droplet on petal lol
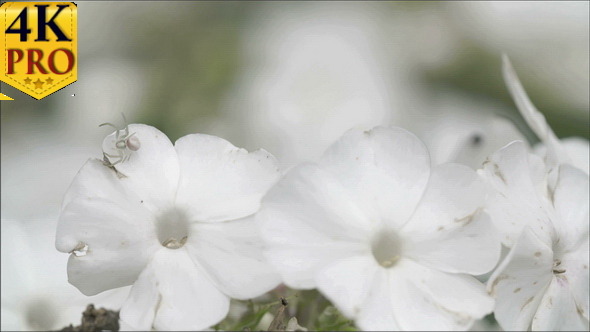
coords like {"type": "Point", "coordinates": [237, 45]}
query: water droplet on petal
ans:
{"type": "Point", "coordinates": [80, 250]}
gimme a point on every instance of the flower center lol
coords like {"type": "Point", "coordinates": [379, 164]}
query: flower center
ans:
{"type": "Point", "coordinates": [172, 228]}
{"type": "Point", "coordinates": [386, 248]}
{"type": "Point", "coordinates": [557, 268]}
{"type": "Point", "coordinates": [40, 315]}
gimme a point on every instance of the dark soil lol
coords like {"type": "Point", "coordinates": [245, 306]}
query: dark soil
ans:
{"type": "Point", "coordinates": [96, 320]}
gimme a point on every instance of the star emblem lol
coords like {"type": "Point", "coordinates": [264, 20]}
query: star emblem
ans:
{"type": "Point", "coordinates": [38, 84]}
{"type": "Point", "coordinates": [49, 81]}
{"type": "Point", "coordinates": [28, 80]}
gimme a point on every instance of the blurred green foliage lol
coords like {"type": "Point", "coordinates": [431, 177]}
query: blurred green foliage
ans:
{"type": "Point", "coordinates": [312, 310]}
{"type": "Point", "coordinates": [192, 62]}
{"type": "Point", "coordinates": [198, 60]}
{"type": "Point", "coordinates": [477, 71]}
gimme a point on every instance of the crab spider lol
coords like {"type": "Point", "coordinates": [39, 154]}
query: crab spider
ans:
{"type": "Point", "coordinates": [107, 163]}
{"type": "Point", "coordinates": [124, 142]}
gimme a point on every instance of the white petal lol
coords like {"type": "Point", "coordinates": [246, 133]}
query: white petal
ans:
{"type": "Point", "coordinates": [113, 223]}
{"type": "Point", "coordinates": [385, 169]}
{"type": "Point", "coordinates": [138, 312]}
{"type": "Point", "coordinates": [115, 252]}
{"type": "Point", "coordinates": [95, 179]}
{"type": "Point", "coordinates": [185, 299]}
{"type": "Point", "coordinates": [308, 220]}
{"type": "Point", "coordinates": [299, 265]}
{"type": "Point", "coordinates": [347, 282]}
{"type": "Point", "coordinates": [446, 306]}
{"type": "Point", "coordinates": [220, 182]}
{"type": "Point", "coordinates": [472, 248]}
{"type": "Point", "coordinates": [575, 263]}
{"type": "Point", "coordinates": [578, 150]}
{"type": "Point", "coordinates": [558, 311]}
{"type": "Point", "coordinates": [312, 198]}
{"type": "Point", "coordinates": [124, 326]}
{"type": "Point", "coordinates": [376, 313]}
{"type": "Point", "coordinates": [232, 254]}
{"type": "Point", "coordinates": [151, 171]}
{"type": "Point", "coordinates": [513, 166]}
{"type": "Point", "coordinates": [11, 320]}
{"type": "Point", "coordinates": [571, 202]}
{"type": "Point", "coordinates": [458, 293]}
{"type": "Point", "coordinates": [520, 281]}
{"type": "Point", "coordinates": [448, 231]}
{"type": "Point", "coordinates": [533, 117]}
{"type": "Point", "coordinates": [453, 192]}
{"type": "Point", "coordinates": [514, 200]}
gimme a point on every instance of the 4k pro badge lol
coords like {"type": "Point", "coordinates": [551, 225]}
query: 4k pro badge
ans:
{"type": "Point", "coordinates": [39, 46]}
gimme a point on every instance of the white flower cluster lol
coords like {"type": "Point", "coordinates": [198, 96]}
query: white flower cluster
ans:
{"type": "Point", "coordinates": [392, 241]}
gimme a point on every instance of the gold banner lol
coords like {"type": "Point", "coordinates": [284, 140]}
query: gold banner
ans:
{"type": "Point", "coordinates": [39, 46]}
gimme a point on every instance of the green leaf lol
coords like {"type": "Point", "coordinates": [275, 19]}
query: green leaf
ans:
{"type": "Point", "coordinates": [331, 319]}
{"type": "Point", "coordinates": [250, 321]}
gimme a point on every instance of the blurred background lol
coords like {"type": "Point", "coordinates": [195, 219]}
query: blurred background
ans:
{"type": "Point", "coordinates": [290, 78]}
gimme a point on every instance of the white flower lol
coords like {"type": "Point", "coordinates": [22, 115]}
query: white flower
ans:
{"type": "Point", "coordinates": [174, 221]}
{"type": "Point", "coordinates": [574, 151]}
{"type": "Point", "coordinates": [540, 207]}
{"type": "Point", "coordinates": [543, 282]}
{"type": "Point", "coordinates": [460, 129]}
{"type": "Point", "coordinates": [35, 292]}
{"type": "Point", "coordinates": [388, 240]}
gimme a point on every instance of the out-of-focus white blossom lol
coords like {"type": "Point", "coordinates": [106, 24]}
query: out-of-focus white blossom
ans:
{"type": "Point", "coordinates": [35, 293]}
{"type": "Point", "coordinates": [312, 74]}
{"type": "Point", "coordinates": [173, 220]}
{"type": "Point", "coordinates": [458, 128]}
{"type": "Point", "coordinates": [386, 238]}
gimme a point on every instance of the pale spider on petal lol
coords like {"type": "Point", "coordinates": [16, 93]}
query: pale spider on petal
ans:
{"type": "Point", "coordinates": [124, 143]}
